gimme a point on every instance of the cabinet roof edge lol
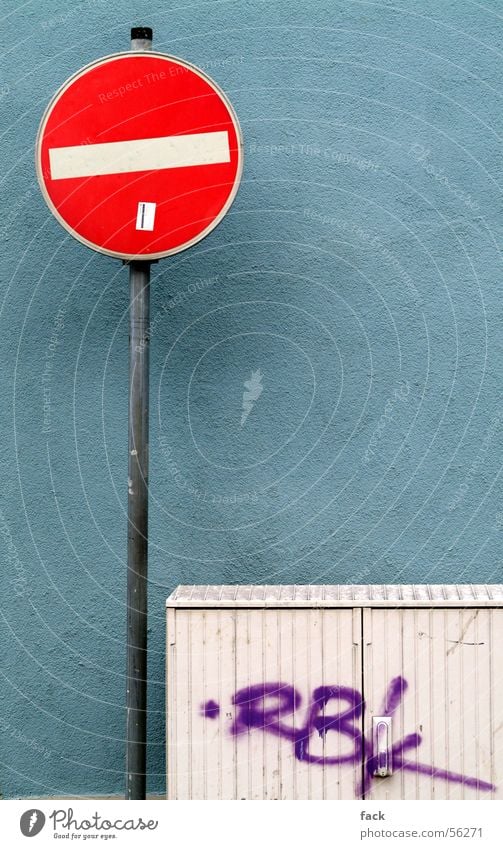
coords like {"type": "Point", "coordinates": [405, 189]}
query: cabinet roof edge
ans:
{"type": "Point", "coordinates": [336, 595]}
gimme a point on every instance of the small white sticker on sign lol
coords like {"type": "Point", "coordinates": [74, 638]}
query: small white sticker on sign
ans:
{"type": "Point", "coordinates": [145, 216]}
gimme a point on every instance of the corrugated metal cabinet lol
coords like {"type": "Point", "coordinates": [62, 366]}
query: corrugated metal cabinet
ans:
{"type": "Point", "coordinates": [335, 692]}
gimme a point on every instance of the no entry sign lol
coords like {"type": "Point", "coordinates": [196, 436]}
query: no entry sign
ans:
{"type": "Point", "coordinates": [139, 155]}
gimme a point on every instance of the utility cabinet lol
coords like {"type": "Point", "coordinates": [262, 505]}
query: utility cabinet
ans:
{"type": "Point", "coordinates": [335, 692]}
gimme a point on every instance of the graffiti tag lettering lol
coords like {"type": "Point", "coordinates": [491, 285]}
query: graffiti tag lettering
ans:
{"type": "Point", "coordinates": [265, 706]}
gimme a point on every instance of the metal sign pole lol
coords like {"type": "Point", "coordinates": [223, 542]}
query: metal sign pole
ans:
{"type": "Point", "coordinates": [137, 554]}
{"type": "Point", "coordinates": [152, 134]}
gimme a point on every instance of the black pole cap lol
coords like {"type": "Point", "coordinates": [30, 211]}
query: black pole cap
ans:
{"type": "Point", "coordinates": [141, 32]}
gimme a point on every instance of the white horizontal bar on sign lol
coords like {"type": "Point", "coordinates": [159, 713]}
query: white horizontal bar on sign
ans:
{"type": "Point", "coordinates": [93, 160]}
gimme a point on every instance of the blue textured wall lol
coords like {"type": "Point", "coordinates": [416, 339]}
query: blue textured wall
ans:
{"type": "Point", "coordinates": [358, 271]}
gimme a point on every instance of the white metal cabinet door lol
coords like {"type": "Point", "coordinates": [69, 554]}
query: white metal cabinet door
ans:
{"type": "Point", "coordinates": [264, 704]}
{"type": "Point", "coordinates": [435, 672]}
{"type": "Point", "coordinates": [200, 662]}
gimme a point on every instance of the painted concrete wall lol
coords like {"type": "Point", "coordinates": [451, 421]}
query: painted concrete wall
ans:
{"type": "Point", "coordinates": [357, 277]}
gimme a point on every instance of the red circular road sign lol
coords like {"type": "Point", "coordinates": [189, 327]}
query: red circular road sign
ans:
{"type": "Point", "coordinates": [139, 155]}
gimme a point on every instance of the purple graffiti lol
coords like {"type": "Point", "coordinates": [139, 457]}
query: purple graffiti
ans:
{"type": "Point", "coordinates": [265, 707]}
{"type": "Point", "coordinates": [210, 709]}
{"type": "Point", "coordinates": [392, 700]}
{"type": "Point", "coordinates": [254, 712]}
{"type": "Point", "coordinates": [394, 695]}
{"type": "Point", "coordinates": [342, 723]}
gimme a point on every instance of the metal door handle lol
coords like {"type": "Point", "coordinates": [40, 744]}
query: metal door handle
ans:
{"type": "Point", "coordinates": [381, 735]}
